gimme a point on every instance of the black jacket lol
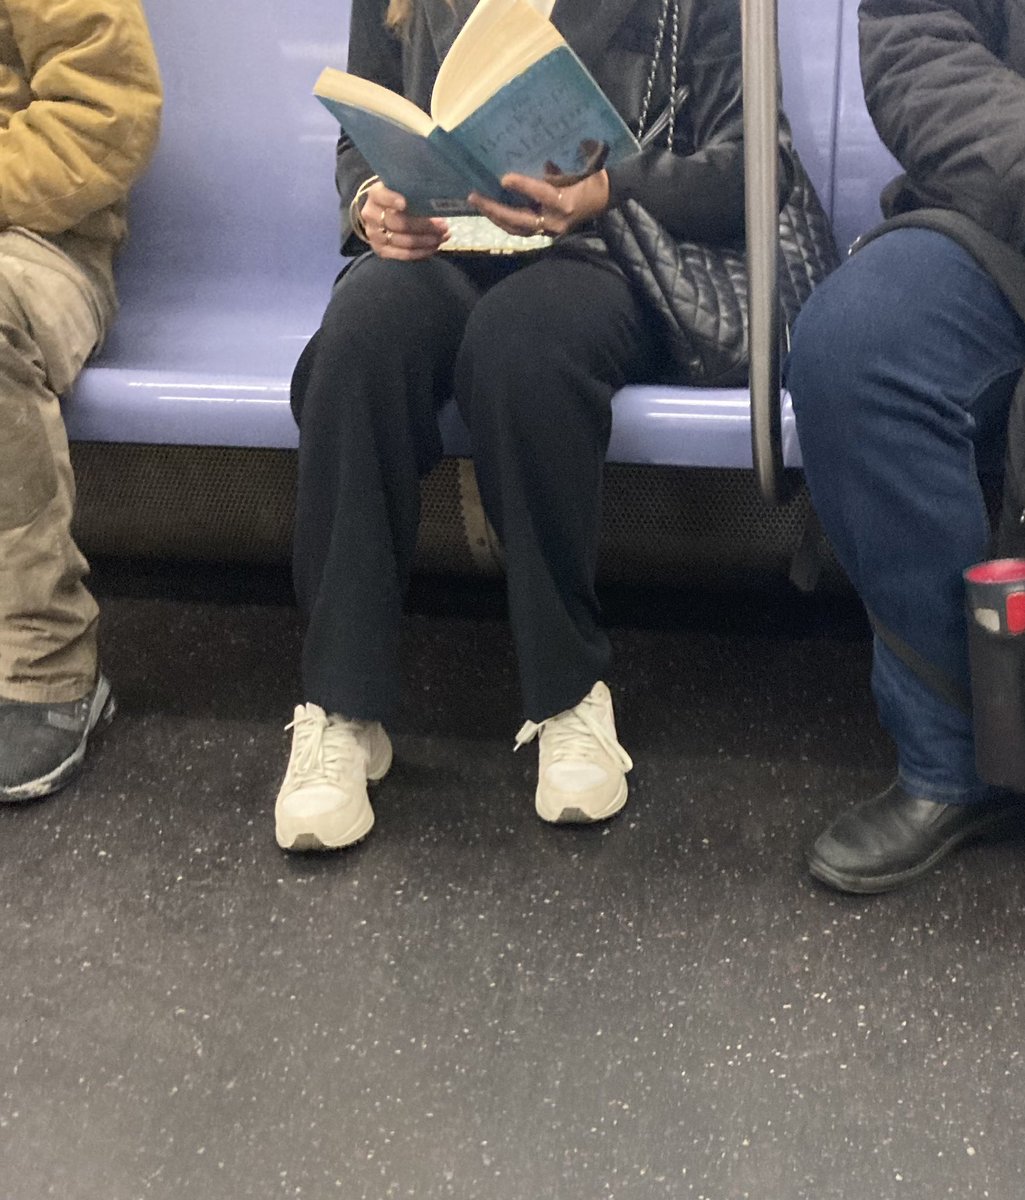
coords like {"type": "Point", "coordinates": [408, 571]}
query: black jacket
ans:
{"type": "Point", "coordinates": [696, 192]}
{"type": "Point", "coordinates": [945, 85]}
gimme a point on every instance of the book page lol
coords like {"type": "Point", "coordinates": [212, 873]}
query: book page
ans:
{"type": "Point", "coordinates": [434, 173]}
{"type": "Point", "coordinates": [500, 40]}
{"type": "Point", "coordinates": [356, 92]}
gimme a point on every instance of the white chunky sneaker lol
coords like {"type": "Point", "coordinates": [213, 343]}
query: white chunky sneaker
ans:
{"type": "Point", "coordinates": [323, 802]}
{"type": "Point", "coordinates": [582, 769]}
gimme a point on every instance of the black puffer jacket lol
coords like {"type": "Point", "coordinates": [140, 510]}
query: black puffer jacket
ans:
{"type": "Point", "coordinates": [945, 84]}
{"type": "Point", "coordinates": [696, 192]}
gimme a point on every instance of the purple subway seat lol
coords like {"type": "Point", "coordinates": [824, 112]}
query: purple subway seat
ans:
{"type": "Point", "coordinates": [234, 240]}
{"type": "Point", "coordinates": [662, 426]}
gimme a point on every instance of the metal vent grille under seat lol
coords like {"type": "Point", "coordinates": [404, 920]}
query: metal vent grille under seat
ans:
{"type": "Point", "coordinates": [660, 525]}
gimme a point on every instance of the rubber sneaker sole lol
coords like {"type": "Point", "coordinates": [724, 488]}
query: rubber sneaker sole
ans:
{"type": "Point", "coordinates": [330, 830]}
{"type": "Point", "coordinates": [324, 833]}
{"type": "Point", "coordinates": [569, 814]}
{"type": "Point", "coordinates": [101, 713]}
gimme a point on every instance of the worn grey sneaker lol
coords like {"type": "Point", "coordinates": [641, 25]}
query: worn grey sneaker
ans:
{"type": "Point", "coordinates": [323, 802]}
{"type": "Point", "coordinates": [42, 746]}
{"type": "Point", "coordinates": [582, 768]}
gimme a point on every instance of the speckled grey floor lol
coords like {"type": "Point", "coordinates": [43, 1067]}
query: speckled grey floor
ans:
{"type": "Point", "coordinates": [474, 1005]}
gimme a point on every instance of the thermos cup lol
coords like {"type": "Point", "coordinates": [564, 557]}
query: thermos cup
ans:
{"type": "Point", "coordinates": [995, 595]}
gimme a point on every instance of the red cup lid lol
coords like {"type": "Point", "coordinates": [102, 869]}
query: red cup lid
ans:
{"type": "Point", "coordinates": [997, 570]}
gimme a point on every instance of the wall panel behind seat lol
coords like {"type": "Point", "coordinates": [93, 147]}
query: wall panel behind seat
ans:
{"type": "Point", "coordinates": [808, 48]}
{"type": "Point", "coordinates": [243, 135]}
{"type": "Point", "coordinates": [258, 150]}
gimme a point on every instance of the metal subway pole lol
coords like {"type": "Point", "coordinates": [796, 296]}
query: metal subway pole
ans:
{"type": "Point", "coordinates": [761, 188]}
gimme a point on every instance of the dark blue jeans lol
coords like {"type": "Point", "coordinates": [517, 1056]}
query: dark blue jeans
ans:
{"type": "Point", "coordinates": [901, 373]}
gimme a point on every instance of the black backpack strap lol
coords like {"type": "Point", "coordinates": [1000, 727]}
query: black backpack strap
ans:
{"type": "Point", "coordinates": [1009, 535]}
{"type": "Point", "coordinates": [944, 687]}
{"type": "Point", "coordinates": [810, 555]}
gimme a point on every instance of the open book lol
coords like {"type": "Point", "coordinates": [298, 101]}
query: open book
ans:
{"type": "Point", "coordinates": [510, 96]}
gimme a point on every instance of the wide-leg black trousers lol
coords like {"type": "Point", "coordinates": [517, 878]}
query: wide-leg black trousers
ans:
{"type": "Point", "coordinates": [533, 350]}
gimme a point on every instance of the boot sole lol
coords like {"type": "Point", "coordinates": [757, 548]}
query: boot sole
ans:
{"type": "Point", "coordinates": [873, 885]}
{"type": "Point", "coordinates": [101, 713]}
{"type": "Point", "coordinates": [316, 835]}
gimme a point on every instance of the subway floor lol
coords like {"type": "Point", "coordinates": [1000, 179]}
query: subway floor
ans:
{"type": "Point", "coordinates": [472, 1004]}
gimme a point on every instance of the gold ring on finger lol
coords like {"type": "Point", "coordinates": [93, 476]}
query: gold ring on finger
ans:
{"type": "Point", "coordinates": [387, 235]}
{"type": "Point", "coordinates": [540, 225]}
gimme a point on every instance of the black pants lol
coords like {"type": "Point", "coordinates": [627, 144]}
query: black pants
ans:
{"type": "Point", "coordinates": [533, 351]}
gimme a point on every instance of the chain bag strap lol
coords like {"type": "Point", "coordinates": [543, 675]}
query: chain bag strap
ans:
{"type": "Point", "coordinates": [668, 15]}
{"type": "Point", "coordinates": [698, 293]}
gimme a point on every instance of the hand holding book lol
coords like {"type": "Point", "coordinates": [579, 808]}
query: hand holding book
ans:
{"type": "Point", "coordinates": [511, 97]}
{"type": "Point", "coordinates": [553, 210]}
{"type": "Point", "coordinates": [391, 232]}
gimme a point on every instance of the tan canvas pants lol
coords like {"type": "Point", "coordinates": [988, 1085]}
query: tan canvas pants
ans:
{"type": "Point", "coordinates": [51, 319]}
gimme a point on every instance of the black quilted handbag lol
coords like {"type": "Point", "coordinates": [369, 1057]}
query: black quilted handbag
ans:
{"type": "Point", "coordinates": [697, 292]}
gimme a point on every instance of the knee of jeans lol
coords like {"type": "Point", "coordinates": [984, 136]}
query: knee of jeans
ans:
{"type": "Point", "coordinates": [880, 317]}
{"type": "Point", "coordinates": [832, 350]}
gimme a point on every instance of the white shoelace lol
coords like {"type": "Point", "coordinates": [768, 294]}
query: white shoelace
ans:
{"type": "Point", "coordinates": [572, 736]}
{"type": "Point", "coordinates": [323, 748]}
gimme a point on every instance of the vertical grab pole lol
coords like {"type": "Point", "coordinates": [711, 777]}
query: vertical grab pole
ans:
{"type": "Point", "coordinates": [761, 193]}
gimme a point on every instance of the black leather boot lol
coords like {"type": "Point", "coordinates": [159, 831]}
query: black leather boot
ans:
{"type": "Point", "coordinates": [893, 838]}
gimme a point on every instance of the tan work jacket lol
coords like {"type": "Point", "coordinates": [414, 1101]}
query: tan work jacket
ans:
{"type": "Point", "coordinates": [80, 101]}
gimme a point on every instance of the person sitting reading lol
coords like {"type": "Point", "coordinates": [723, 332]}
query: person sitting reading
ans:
{"type": "Point", "coordinates": [533, 345]}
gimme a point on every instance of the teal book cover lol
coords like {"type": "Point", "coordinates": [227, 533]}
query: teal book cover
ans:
{"type": "Point", "coordinates": [551, 122]}
{"type": "Point", "coordinates": [433, 175]}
